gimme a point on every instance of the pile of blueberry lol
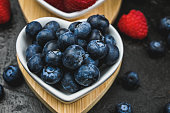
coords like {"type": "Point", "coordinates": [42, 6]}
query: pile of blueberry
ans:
{"type": "Point", "coordinates": [70, 57]}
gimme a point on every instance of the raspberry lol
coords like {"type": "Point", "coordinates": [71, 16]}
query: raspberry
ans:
{"type": "Point", "coordinates": [5, 11]}
{"type": "Point", "coordinates": [77, 5]}
{"type": "Point", "coordinates": [134, 24]}
{"type": "Point", "coordinates": [59, 4]}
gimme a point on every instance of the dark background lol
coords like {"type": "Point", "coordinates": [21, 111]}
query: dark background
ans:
{"type": "Point", "coordinates": [154, 73]}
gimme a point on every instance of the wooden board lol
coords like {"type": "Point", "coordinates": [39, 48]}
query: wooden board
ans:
{"type": "Point", "coordinates": [82, 105]}
{"type": "Point", "coordinates": [32, 10]}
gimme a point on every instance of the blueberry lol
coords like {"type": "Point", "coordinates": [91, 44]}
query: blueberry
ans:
{"type": "Point", "coordinates": [66, 40]}
{"type": "Point", "coordinates": [73, 26]}
{"type": "Point", "coordinates": [32, 29]}
{"type": "Point", "coordinates": [32, 50]}
{"type": "Point", "coordinates": [97, 49]}
{"type": "Point", "coordinates": [73, 57]}
{"type": "Point", "coordinates": [82, 43]}
{"type": "Point", "coordinates": [165, 25]}
{"type": "Point", "coordinates": [51, 75]}
{"type": "Point", "coordinates": [69, 84]}
{"type": "Point", "coordinates": [156, 49]}
{"type": "Point", "coordinates": [1, 92]}
{"type": "Point", "coordinates": [82, 30]}
{"type": "Point", "coordinates": [112, 55]}
{"type": "Point", "coordinates": [50, 46]}
{"type": "Point", "coordinates": [12, 75]}
{"type": "Point", "coordinates": [52, 25]}
{"type": "Point", "coordinates": [54, 58]}
{"type": "Point", "coordinates": [35, 63]}
{"type": "Point", "coordinates": [130, 80]}
{"type": "Point", "coordinates": [95, 35]}
{"type": "Point", "coordinates": [167, 108]}
{"type": "Point", "coordinates": [44, 36]}
{"type": "Point", "coordinates": [86, 75]}
{"type": "Point", "coordinates": [99, 22]}
{"type": "Point", "coordinates": [61, 31]}
{"type": "Point", "coordinates": [108, 39]}
{"type": "Point", "coordinates": [168, 40]}
{"type": "Point", "coordinates": [88, 60]}
{"type": "Point", "coordinates": [123, 108]}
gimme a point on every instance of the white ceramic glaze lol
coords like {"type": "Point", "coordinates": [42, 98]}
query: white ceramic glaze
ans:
{"type": "Point", "coordinates": [68, 15]}
{"type": "Point", "coordinates": [23, 42]}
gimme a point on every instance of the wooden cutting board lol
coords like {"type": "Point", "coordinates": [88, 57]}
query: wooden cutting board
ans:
{"type": "Point", "coordinates": [32, 10]}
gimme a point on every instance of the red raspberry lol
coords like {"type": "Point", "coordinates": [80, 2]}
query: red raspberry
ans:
{"type": "Point", "coordinates": [5, 11]}
{"type": "Point", "coordinates": [77, 5]}
{"type": "Point", "coordinates": [134, 25]}
{"type": "Point", "coordinates": [59, 4]}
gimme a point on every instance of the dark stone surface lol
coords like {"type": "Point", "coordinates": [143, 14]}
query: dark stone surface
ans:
{"type": "Point", "coordinates": [154, 73]}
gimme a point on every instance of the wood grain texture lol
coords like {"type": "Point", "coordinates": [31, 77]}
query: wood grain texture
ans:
{"type": "Point", "coordinates": [82, 105]}
{"type": "Point", "coordinates": [32, 10]}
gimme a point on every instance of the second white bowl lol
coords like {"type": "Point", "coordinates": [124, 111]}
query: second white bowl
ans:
{"type": "Point", "coordinates": [68, 15]}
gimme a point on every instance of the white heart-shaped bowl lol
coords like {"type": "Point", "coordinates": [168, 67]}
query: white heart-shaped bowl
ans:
{"type": "Point", "coordinates": [23, 42]}
{"type": "Point", "coordinates": [65, 15]}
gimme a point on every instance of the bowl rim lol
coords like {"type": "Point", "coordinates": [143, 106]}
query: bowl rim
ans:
{"type": "Point", "coordinates": [66, 15]}
{"type": "Point", "coordinates": [55, 92]}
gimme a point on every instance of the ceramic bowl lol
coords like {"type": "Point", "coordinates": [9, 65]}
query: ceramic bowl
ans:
{"type": "Point", "coordinates": [23, 42]}
{"type": "Point", "coordinates": [68, 15]}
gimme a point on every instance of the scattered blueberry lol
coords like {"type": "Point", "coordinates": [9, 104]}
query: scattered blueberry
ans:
{"type": "Point", "coordinates": [44, 36]}
{"type": "Point", "coordinates": [51, 75]}
{"type": "Point", "coordinates": [108, 39]}
{"type": "Point", "coordinates": [32, 29]}
{"type": "Point", "coordinates": [97, 49]}
{"type": "Point", "coordinates": [32, 50]}
{"type": "Point", "coordinates": [88, 60]}
{"type": "Point", "coordinates": [54, 58]}
{"type": "Point", "coordinates": [156, 49]}
{"type": "Point", "coordinates": [99, 22]}
{"type": "Point", "coordinates": [61, 31]}
{"type": "Point", "coordinates": [130, 80]}
{"type": "Point", "coordinates": [86, 75]}
{"type": "Point", "coordinates": [50, 46]}
{"type": "Point", "coordinates": [82, 30]}
{"type": "Point", "coordinates": [95, 35]}
{"type": "Point", "coordinates": [165, 25]}
{"type": "Point", "coordinates": [123, 108]}
{"type": "Point", "coordinates": [82, 43]}
{"type": "Point", "coordinates": [12, 75]}
{"type": "Point", "coordinates": [66, 40]}
{"type": "Point", "coordinates": [73, 57]}
{"type": "Point", "coordinates": [73, 26]}
{"type": "Point", "coordinates": [35, 63]}
{"type": "Point", "coordinates": [69, 84]}
{"type": "Point", "coordinates": [1, 92]}
{"type": "Point", "coordinates": [167, 108]}
{"type": "Point", "coordinates": [112, 55]}
{"type": "Point", "coordinates": [52, 25]}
